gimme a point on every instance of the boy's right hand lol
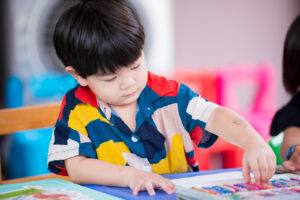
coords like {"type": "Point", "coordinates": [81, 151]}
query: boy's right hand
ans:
{"type": "Point", "coordinates": [260, 159]}
{"type": "Point", "coordinates": [140, 180]}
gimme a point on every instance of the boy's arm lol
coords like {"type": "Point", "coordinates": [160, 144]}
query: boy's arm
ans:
{"type": "Point", "coordinates": [84, 170]}
{"type": "Point", "coordinates": [258, 156]}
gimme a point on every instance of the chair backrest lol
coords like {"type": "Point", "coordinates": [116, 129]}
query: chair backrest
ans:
{"type": "Point", "coordinates": [27, 118]}
{"type": "Point", "coordinates": [203, 81]}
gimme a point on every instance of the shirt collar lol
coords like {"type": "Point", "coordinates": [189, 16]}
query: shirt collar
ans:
{"type": "Point", "coordinates": [159, 86]}
{"type": "Point", "coordinates": [85, 95]}
{"type": "Point", "coordinates": [105, 108]}
{"type": "Point", "coordinates": [156, 88]}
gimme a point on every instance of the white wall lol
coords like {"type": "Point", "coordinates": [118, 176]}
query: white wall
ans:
{"type": "Point", "coordinates": [215, 32]}
{"type": "Point", "coordinates": [157, 20]}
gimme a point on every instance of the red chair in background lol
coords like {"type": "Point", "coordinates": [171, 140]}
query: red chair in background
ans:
{"type": "Point", "coordinates": [201, 81]}
{"type": "Point", "coordinates": [222, 154]}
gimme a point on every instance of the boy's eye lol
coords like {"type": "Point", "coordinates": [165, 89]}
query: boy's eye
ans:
{"type": "Point", "coordinates": [110, 79]}
{"type": "Point", "coordinates": [135, 67]}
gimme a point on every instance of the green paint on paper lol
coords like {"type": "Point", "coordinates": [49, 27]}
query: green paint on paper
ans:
{"type": "Point", "coordinates": [20, 193]}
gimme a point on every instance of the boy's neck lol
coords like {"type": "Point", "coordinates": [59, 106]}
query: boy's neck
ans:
{"type": "Point", "coordinates": [125, 107]}
{"type": "Point", "coordinates": [128, 114]}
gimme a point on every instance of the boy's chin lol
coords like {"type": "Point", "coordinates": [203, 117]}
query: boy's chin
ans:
{"type": "Point", "coordinates": [127, 103]}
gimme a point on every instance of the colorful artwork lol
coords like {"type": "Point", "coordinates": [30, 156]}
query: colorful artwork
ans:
{"type": "Point", "coordinates": [50, 189]}
{"type": "Point", "coordinates": [34, 193]}
{"type": "Point", "coordinates": [281, 186]}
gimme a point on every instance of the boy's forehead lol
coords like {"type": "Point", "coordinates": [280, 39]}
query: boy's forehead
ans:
{"type": "Point", "coordinates": [108, 71]}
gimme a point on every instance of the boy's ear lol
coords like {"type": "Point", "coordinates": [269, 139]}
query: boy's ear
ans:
{"type": "Point", "coordinates": [79, 79]}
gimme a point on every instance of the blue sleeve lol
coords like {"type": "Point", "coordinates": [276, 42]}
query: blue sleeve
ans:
{"type": "Point", "coordinates": [194, 111]}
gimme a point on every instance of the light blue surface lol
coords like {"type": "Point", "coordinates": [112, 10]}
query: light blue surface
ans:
{"type": "Point", "coordinates": [50, 84]}
{"type": "Point", "coordinates": [14, 96]}
{"type": "Point", "coordinates": [28, 153]}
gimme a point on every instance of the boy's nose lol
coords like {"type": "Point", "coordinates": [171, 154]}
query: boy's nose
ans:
{"type": "Point", "coordinates": [127, 83]}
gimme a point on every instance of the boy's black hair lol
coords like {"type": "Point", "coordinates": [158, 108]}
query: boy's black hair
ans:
{"type": "Point", "coordinates": [98, 36]}
{"type": "Point", "coordinates": [291, 58]}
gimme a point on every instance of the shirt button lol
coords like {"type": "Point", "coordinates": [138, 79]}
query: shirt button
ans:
{"type": "Point", "coordinates": [134, 139]}
{"type": "Point", "coordinates": [148, 108]}
{"type": "Point", "coordinates": [147, 169]}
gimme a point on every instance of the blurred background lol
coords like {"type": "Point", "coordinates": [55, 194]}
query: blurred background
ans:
{"type": "Point", "coordinates": [213, 46]}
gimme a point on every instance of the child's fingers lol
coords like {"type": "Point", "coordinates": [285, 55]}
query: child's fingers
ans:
{"type": "Point", "coordinates": [171, 185]}
{"type": "Point", "coordinates": [166, 186]}
{"type": "Point", "coordinates": [256, 172]}
{"type": "Point", "coordinates": [246, 172]}
{"type": "Point", "coordinates": [289, 165]}
{"type": "Point", "coordinates": [294, 163]}
{"type": "Point", "coordinates": [150, 189]}
{"type": "Point", "coordinates": [272, 166]}
{"type": "Point", "coordinates": [255, 167]}
{"type": "Point", "coordinates": [297, 163]}
{"type": "Point", "coordinates": [266, 166]}
{"type": "Point", "coordinates": [136, 190]}
{"type": "Point", "coordinates": [265, 171]}
{"type": "Point", "coordinates": [297, 159]}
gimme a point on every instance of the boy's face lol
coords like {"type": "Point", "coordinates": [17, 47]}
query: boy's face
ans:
{"type": "Point", "coordinates": [121, 88]}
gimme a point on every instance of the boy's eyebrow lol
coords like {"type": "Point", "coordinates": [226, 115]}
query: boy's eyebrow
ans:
{"type": "Point", "coordinates": [101, 73]}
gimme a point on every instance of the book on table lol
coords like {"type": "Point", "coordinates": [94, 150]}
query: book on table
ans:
{"type": "Point", "coordinates": [51, 189]}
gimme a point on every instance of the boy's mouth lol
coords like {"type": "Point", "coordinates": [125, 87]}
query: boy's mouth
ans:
{"type": "Point", "coordinates": [130, 94]}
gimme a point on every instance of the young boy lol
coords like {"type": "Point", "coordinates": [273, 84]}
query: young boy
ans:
{"type": "Point", "coordinates": [122, 125]}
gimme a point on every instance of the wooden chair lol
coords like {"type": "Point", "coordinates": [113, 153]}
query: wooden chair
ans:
{"type": "Point", "coordinates": [27, 118]}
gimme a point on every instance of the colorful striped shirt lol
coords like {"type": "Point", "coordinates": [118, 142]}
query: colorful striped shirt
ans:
{"type": "Point", "coordinates": [170, 117]}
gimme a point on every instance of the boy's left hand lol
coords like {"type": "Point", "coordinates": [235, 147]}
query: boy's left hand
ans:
{"type": "Point", "coordinates": [258, 157]}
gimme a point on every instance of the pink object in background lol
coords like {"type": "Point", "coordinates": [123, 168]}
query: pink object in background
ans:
{"type": "Point", "coordinates": [234, 84]}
